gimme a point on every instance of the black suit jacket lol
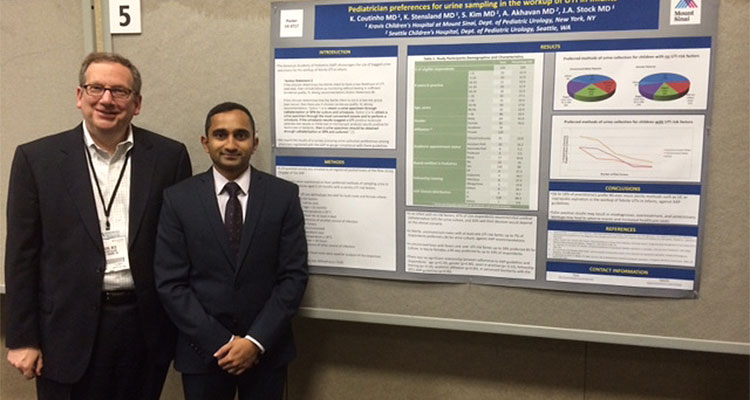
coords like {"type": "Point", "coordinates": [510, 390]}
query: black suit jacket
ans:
{"type": "Point", "coordinates": [55, 260]}
{"type": "Point", "coordinates": [211, 295]}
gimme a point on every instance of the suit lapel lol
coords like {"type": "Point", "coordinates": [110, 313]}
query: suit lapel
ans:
{"type": "Point", "coordinates": [207, 195]}
{"type": "Point", "coordinates": [75, 172]}
{"type": "Point", "coordinates": [142, 169]}
{"type": "Point", "coordinates": [255, 201]}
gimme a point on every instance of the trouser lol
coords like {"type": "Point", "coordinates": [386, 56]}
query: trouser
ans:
{"type": "Point", "coordinates": [119, 368]}
{"type": "Point", "coordinates": [254, 384]}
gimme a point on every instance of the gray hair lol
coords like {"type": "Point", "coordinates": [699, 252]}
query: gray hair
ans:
{"type": "Point", "coordinates": [98, 57]}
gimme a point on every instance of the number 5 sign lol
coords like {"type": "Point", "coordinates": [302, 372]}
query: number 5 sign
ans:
{"type": "Point", "coordinates": [124, 16]}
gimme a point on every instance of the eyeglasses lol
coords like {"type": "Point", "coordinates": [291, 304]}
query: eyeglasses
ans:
{"type": "Point", "coordinates": [118, 93]}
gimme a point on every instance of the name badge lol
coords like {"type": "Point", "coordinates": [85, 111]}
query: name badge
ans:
{"type": "Point", "coordinates": [115, 250]}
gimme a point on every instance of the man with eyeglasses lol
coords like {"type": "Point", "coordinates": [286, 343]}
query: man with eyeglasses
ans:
{"type": "Point", "coordinates": [83, 316]}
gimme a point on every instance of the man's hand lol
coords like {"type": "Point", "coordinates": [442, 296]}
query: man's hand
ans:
{"type": "Point", "coordinates": [28, 361]}
{"type": "Point", "coordinates": [238, 355]}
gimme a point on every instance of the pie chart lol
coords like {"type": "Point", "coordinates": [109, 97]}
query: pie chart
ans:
{"type": "Point", "coordinates": [591, 87]}
{"type": "Point", "coordinates": [664, 86]}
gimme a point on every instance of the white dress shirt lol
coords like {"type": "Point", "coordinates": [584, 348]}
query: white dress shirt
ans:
{"type": "Point", "coordinates": [108, 168]}
{"type": "Point", "coordinates": [222, 197]}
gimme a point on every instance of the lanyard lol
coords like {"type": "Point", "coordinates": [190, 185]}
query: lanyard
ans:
{"type": "Point", "coordinates": [107, 207]}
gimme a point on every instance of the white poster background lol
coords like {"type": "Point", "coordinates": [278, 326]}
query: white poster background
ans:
{"type": "Point", "coordinates": [641, 249]}
{"type": "Point", "coordinates": [614, 280]}
{"type": "Point", "coordinates": [534, 112]}
{"type": "Point", "coordinates": [627, 147]}
{"type": "Point", "coordinates": [291, 23]}
{"type": "Point", "coordinates": [336, 102]}
{"type": "Point", "coordinates": [627, 68]}
{"type": "Point", "coordinates": [645, 208]}
{"type": "Point", "coordinates": [339, 233]}
{"type": "Point", "coordinates": [500, 246]}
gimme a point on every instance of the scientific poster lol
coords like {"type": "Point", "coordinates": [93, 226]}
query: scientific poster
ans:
{"type": "Point", "coordinates": [543, 144]}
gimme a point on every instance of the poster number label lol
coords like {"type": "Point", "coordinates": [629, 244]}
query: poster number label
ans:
{"type": "Point", "coordinates": [124, 16]}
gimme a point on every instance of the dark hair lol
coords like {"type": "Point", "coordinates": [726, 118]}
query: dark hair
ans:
{"type": "Point", "coordinates": [225, 107]}
{"type": "Point", "coordinates": [99, 57]}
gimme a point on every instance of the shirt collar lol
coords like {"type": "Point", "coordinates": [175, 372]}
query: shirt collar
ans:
{"type": "Point", "coordinates": [122, 147]}
{"type": "Point", "coordinates": [243, 181]}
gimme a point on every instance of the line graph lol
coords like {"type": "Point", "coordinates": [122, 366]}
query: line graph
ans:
{"type": "Point", "coordinates": [606, 153]}
{"type": "Point", "coordinates": [627, 148]}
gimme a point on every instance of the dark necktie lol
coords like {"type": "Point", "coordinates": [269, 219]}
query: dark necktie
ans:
{"type": "Point", "coordinates": [233, 216]}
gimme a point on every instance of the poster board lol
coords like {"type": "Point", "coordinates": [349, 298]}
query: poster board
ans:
{"type": "Point", "coordinates": [546, 144]}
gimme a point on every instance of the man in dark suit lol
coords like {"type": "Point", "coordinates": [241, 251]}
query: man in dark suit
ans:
{"type": "Point", "coordinates": [232, 287]}
{"type": "Point", "coordinates": [83, 315]}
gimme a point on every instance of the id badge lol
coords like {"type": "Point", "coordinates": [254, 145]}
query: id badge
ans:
{"type": "Point", "coordinates": [115, 250]}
